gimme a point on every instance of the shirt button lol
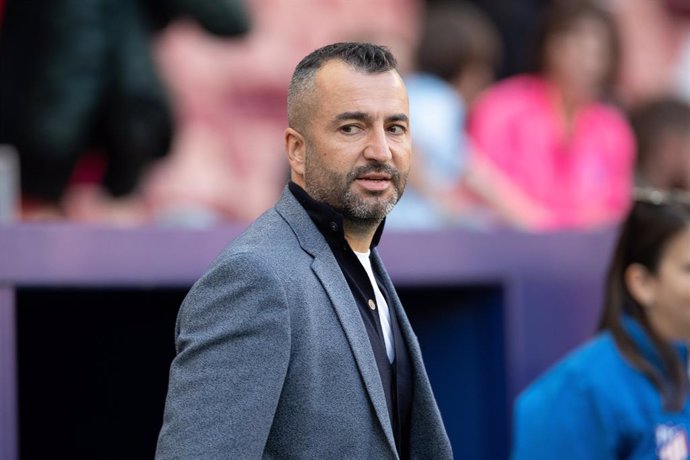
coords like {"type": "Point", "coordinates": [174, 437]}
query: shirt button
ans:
{"type": "Point", "coordinates": [334, 226]}
{"type": "Point", "coordinates": [372, 305]}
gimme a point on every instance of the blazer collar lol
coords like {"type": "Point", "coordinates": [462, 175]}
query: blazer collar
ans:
{"type": "Point", "coordinates": [327, 219]}
{"type": "Point", "coordinates": [309, 237]}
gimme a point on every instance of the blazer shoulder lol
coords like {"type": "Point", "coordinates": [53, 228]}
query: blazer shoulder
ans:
{"type": "Point", "coordinates": [270, 241]}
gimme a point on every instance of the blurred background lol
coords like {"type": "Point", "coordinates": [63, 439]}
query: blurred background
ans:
{"type": "Point", "coordinates": [172, 111]}
{"type": "Point", "coordinates": [532, 121]}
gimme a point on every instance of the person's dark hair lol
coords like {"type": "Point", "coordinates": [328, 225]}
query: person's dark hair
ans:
{"type": "Point", "coordinates": [655, 218]}
{"type": "Point", "coordinates": [653, 120]}
{"type": "Point", "coordinates": [559, 18]}
{"type": "Point", "coordinates": [456, 34]}
{"type": "Point", "coordinates": [364, 57]}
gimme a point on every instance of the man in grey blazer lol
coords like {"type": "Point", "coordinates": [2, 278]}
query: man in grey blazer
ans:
{"type": "Point", "coordinates": [294, 344]}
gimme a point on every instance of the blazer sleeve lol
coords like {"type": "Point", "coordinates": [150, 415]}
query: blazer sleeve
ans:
{"type": "Point", "coordinates": [233, 348]}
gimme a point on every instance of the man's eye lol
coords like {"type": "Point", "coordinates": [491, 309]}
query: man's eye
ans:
{"type": "Point", "coordinates": [350, 129]}
{"type": "Point", "coordinates": [397, 129]}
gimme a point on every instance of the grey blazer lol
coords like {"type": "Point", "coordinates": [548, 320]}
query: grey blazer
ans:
{"type": "Point", "coordinates": [273, 359]}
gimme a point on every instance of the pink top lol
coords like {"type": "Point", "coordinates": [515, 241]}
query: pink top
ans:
{"type": "Point", "coordinates": [582, 179]}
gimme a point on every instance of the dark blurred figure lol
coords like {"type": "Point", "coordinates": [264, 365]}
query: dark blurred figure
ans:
{"type": "Point", "coordinates": [455, 60]}
{"type": "Point", "coordinates": [662, 129]}
{"type": "Point", "coordinates": [515, 20]}
{"type": "Point", "coordinates": [77, 76]}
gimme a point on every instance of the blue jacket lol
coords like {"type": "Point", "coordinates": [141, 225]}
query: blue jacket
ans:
{"type": "Point", "coordinates": [594, 405]}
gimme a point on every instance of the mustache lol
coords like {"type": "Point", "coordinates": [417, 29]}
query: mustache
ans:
{"type": "Point", "coordinates": [380, 168]}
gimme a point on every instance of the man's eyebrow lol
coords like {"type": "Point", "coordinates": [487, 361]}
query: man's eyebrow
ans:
{"type": "Point", "coordinates": [359, 116]}
{"type": "Point", "coordinates": [398, 117]}
{"type": "Point", "coordinates": [362, 116]}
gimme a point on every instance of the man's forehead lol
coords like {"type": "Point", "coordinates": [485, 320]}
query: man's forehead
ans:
{"type": "Point", "coordinates": [338, 81]}
{"type": "Point", "coordinates": [337, 71]}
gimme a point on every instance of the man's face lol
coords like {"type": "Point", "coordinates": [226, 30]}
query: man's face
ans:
{"type": "Point", "coordinates": [357, 141]}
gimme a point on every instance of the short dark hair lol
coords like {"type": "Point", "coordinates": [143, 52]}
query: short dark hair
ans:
{"type": "Point", "coordinates": [656, 217]}
{"type": "Point", "coordinates": [364, 57]}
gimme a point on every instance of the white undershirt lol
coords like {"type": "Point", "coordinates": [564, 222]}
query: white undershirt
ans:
{"type": "Point", "coordinates": [384, 313]}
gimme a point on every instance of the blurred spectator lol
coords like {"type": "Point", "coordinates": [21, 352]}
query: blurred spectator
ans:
{"type": "Point", "coordinates": [455, 60]}
{"type": "Point", "coordinates": [227, 160]}
{"type": "Point", "coordinates": [655, 51]}
{"type": "Point", "coordinates": [681, 11]}
{"type": "Point", "coordinates": [547, 154]}
{"type": "Point", "coordinates": [662, 130]}
{"type": "Point", "coordinates": [77, 78]}
{"type": "Point", "coordinates": [515, 20]}
{"type": "Point", "coordinates": [624, 394]}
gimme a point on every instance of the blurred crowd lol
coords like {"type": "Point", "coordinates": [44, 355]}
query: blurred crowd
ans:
{"type": "Point", "coordinates": [539, 115]}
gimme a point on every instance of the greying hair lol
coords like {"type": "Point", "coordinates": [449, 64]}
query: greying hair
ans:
{"type": "Point", "coordinates": [364, 57]}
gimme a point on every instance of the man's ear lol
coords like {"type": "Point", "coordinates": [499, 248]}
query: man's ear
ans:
{"type": "Point", "coordinates": [296, 151]}
{"type": "Point", "coordinates": [641, 284]}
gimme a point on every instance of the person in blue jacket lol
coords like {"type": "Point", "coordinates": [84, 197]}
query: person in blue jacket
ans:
{"type": "Point", "coordinates": [624, 393]}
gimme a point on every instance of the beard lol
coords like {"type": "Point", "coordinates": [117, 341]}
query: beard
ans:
{"type": "Point", "coordinates": [337, 190]}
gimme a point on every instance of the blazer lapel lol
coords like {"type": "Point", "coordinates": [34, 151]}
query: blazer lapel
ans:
{"type": "Point", "coordinates": [326, 268]}
{"type": "Point", "coordinates": [351, 321]}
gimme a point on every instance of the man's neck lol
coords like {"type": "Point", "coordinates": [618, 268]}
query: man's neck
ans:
{"type": "Point", "coordinates": [359, 234]}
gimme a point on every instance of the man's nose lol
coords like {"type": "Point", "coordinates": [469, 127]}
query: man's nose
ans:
{"type": "Point", "coordinates": [377, 147]}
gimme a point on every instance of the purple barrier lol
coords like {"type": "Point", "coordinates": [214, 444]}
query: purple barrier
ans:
{"type": "Point", "coordinates": [552, 282]}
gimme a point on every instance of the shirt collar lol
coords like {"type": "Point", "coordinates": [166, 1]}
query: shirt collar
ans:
{"type": "Point", "coordinates": [327, 219]}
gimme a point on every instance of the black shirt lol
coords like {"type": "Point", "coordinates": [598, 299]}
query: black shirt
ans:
{"type": "Point", "coordinates": [396, 376]}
